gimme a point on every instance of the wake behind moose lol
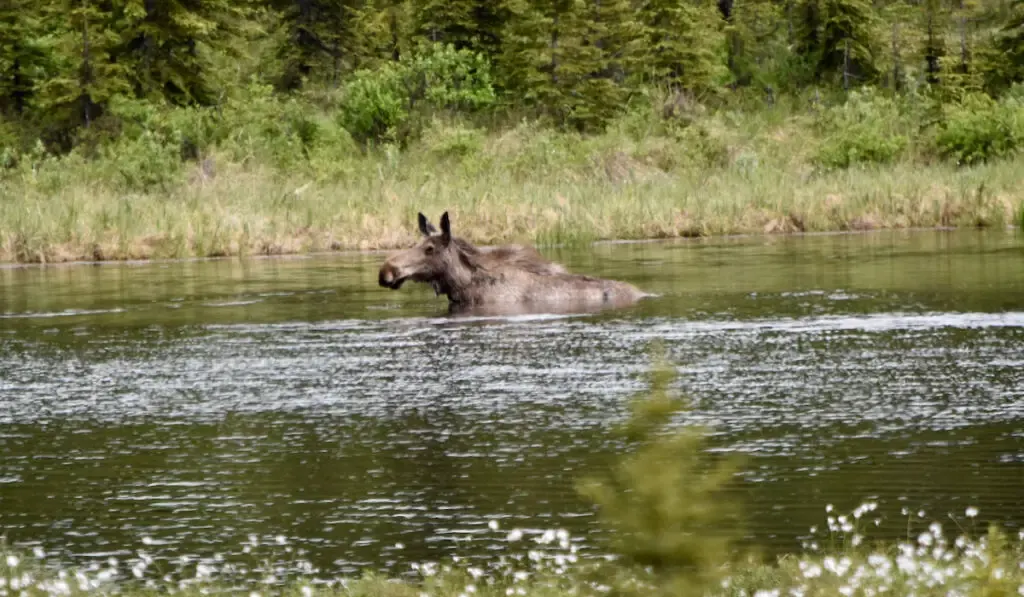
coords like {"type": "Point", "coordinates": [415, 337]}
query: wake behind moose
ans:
{"type": "Point", "coordinates": [509, 278]}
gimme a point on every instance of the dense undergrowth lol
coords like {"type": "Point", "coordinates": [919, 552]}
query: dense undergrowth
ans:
{"type": "Point", "coordinates": [269, 174]}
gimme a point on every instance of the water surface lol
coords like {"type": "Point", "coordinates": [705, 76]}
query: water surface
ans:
{"type": "Point", "coordinates": [196, 403]}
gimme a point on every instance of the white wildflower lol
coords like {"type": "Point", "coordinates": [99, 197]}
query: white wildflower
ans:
{"type": "Point", "coordinates": [280, 540]}
{"type": "Point", "coordinates": [925, 539]}
{"type": "Point", "coordinates": [475, 572]}
{"type": "Point", "coordinates": [971, 512]}
{"type": "Point", "coordinates": [13, 561]}
{"type": "Point", "coordinates": [39, 552]}
{"type": "Point", "coordinates": [811, 571]}
{"type": "Point", "coordinates": [493, 525]}
{"type": "Point", "coordinates": [765, 593]}
{"type": "Point", "coordinates": [514, 536]}
{"type": "Point", "coordinates": [307, 591]}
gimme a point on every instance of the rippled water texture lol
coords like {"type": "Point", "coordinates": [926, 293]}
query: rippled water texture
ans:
{"type": "Point", "coordinates": [199, 402]}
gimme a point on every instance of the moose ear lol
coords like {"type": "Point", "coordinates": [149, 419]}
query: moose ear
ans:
{"type": "Point", "coordinates": [446, 229]}
{"type": "Point", "coordinates": [425, 226]}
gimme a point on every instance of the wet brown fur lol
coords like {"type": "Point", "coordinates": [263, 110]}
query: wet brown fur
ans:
{"type": "Point", "coordinates": [512, 276]}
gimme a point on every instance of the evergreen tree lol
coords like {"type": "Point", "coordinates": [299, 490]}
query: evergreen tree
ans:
{"type": "Point", "coordinates": [318, 37]}
{"type": "Point", "coordinates": [934, 45]}
{"type": "Point", "coordinates": [466, 24]}
{"type": "Point", "coordinates": [567, 58]}
{"type": "Point", "coordinates": [382, 30]}
{"type": "Point", "coordinates": [683, 43]}
{"type": "Point", "coordinates": [25, 56]}
{"type": "Point", "coordinates": [837, 39]}
{"type": "Point", "coordinates": [1010, 45]}
{"type": "Point", "coordinates": [755, 35]}
{"type": "Point", "coordinates": [164, 41]}
{"type": "Point", "coordinates": [89, 76]}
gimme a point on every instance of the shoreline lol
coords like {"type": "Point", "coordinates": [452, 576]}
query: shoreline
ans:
{"type": "Point", "coordinates": [137, 262]}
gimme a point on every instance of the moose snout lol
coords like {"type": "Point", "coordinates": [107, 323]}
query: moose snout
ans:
{"type": "Point", "coordinates": [388, 276]}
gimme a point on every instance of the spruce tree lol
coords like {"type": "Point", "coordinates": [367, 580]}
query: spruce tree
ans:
{"type": "Point", "coordinates": [567, 58]}
{"type": "Point", "coordinates": [466, 24]}
{"type": "Point", "coordinates": [319, 40]}
{"type": "Point", "coordinates": [163, 43]}
{"type": "Point", "coordinates": [25, 56]}
{"type": "Point", "coordinates": [1010, 44]}
{"type": "Point", "coordinates": [89, 75]}
{"type": "Point", "coordinates": [934, 46]}
{"type": "Point", "coordinates": [837, 38]}
{"type": "Point", "coordinates": [683, 43]}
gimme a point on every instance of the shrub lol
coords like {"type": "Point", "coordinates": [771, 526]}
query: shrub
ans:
{"type": "Point", "coordinates": [379, 104]}
{"type": "Point", "coordinates": [979, 129]}
{"type": "Point", "coordinates": [863, 130]}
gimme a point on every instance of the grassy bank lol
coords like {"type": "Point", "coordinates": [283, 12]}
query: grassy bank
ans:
{"type": "Point", "coordinates": [286, 178]}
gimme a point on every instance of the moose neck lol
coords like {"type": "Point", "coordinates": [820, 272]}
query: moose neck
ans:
{"type": "Point", "coordinates": [464, 285]}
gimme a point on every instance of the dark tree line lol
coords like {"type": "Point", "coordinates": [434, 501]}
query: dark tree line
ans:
{"type": "Point", "coordinates": [62, 62]}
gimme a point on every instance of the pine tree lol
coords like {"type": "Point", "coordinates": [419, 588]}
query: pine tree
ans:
{"type": "Point", "coordinates": [164, 41]}
{"type": "Point", "coordinates": [466, 24]}
{"type": "Point", "coordinates": [568, 58]}
{"type": "Point", "coordinates": [683, 43]}
{"type": "Point", "coordinates": [319, 39]}
{"type": "Point", "coordinates": [756, 33]}
{"type": "Point", "coordinates": [1010, 44]}
{"type": "Point", "coordinates": [25, 57]}
{"type": "Point", "coordinates": [381, 30]}
{"type": "Point", "coordinates": [89, 76]}
{"type": "Point", "coordinates": [934, 46]}
{"type": "Point", "coordinates": [837, 38]}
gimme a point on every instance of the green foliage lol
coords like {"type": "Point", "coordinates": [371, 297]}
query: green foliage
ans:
{"type": "Point", "coordinates": [378, 104]}
{"type": "Point", "coordinates": [26, 54]}
{"type": "Point", "coordinates": [863, 130]}
{"type": "Point", "coordinates": [980, 128]}
{"type": "Point", "coordinates": [684, 44]}
{"type": "Point", "coordinates": [665, 503]}
{"type": "Point", "coordinates": [837, 38]}
{"type": "Point", "coordinates": [1008, 67]}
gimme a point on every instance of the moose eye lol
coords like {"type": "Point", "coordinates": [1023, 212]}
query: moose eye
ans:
{"type": "Point", "coordinates": [429, 250]}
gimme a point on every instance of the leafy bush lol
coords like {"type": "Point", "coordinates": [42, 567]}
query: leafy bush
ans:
{"type": "Point", "coordinates": [863, 130]}
{"type": "Point", "coordinates": [379, 104]}
{"type": "Point", "coordinates": [980, 129]}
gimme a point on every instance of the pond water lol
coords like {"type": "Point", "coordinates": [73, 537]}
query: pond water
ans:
{"type": "Point", "coordinates": [197, 403]}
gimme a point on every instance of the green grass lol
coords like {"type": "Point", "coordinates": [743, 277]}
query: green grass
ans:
{"type": "Point", "coordinates": [714, 172]}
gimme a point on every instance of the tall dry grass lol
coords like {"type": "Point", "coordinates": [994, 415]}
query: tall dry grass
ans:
{"type": "Point", "coordinates": [721, 172]}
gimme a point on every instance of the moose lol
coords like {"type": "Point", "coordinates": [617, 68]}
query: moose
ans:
{"type": "Point", "coordinates": [504, 279]}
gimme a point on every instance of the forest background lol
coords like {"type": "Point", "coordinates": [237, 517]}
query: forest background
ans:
{"type": "Point", "coordinates": [171, 128]}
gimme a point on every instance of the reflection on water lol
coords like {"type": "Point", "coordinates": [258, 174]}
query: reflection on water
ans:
{"type": "Point", "coordinates": [199, 402]}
